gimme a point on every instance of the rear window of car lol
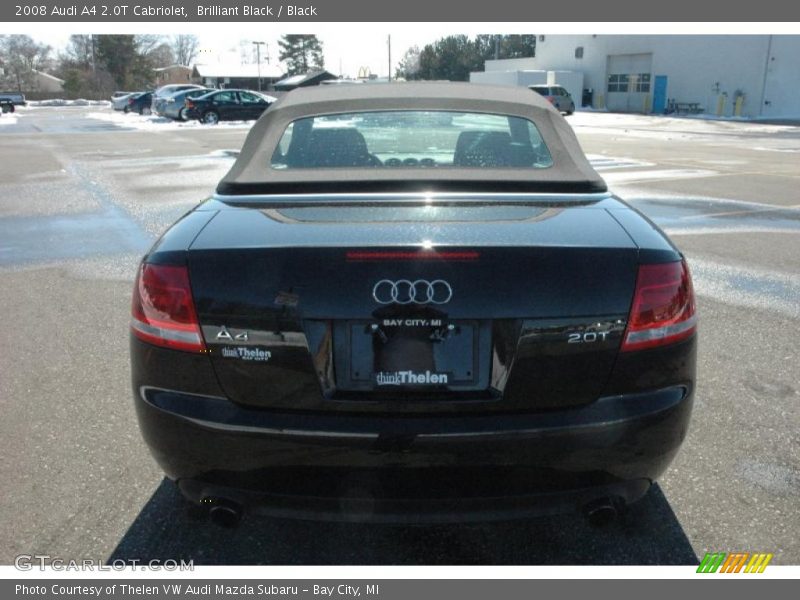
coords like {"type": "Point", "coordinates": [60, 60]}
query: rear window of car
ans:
{"type": "Point", "coordinates": [222, 97]}
{"type": "Point", "coordinates": [411, 139]}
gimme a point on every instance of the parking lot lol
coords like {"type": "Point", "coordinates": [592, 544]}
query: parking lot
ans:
{"type": "Point", "coordinates": [85, 191]}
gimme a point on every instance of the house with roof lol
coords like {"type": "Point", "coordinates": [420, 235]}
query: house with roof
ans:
{"type": "Point", "coordinates": [44, 82]}
{"type": "Point", "coordinates": [34, 81]}
{"type": "Point", "coordinates": [237, 76]}
{"type": "Point", "coordinates": [173, 74]}
{"type": "Point", "coordinates": [304, 80]}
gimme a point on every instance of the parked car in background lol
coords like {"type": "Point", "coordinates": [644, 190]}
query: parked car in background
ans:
{"type": "Point", "coordinates": [228, 105]}
{"type": "Point", "coordinates": [557, 96]}
{"type": "Point", "coordinates": [167, 90]}
{"type": "Point", "coordinates": [9, 100]}
{"type": "Point", "coordinates": [174, 106]}
{"type": "Point", "coordinates": [119, 100]}
{"type": "Point", "coordinates": [139, 102]}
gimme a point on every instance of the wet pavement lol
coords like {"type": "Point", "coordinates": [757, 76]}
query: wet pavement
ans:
{"type": "Point", "coordinates": [82, 197]}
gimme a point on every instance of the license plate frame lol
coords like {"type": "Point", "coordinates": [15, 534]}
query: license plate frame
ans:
{"type": "Point", "coordinates": [458, 354]}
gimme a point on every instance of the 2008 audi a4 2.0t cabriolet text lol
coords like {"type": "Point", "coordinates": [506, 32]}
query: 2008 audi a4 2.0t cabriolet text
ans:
{"type": "Point", "coordinates": [413, 302]}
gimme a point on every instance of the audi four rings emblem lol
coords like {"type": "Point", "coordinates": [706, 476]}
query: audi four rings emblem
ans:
{"type": "Point", "coordinates": [404, 291]}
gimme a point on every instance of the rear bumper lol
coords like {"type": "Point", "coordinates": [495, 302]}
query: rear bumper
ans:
{"type": "Point", "coordinates": [414, 469]}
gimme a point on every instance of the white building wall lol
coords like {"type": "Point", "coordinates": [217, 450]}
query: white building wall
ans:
{"type": "Point", "coordinates": [782, 81]}
{"type": "Point", "coordinates": [698, 67]}
{"type": "Point", "coordinates": [508, 77]}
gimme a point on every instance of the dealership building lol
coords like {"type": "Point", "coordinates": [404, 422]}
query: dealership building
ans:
{"type": "Point", "coordinates": [730, 75]}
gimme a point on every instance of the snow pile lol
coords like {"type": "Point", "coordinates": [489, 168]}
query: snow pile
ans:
{"type": "Point", "coordinates": [689, 124]}
{"type": "Point", "coordinates": [156, 123]}
{"type": "Point", "coordinates": [62, 102]}
{"type": "Point", "coordinates": [739, 132]}
{"type": "Point", "coordinates": [8, 119]}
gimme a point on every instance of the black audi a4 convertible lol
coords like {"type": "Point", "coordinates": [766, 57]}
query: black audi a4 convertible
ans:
{"type": "Point", "coordinates": [414, 303]}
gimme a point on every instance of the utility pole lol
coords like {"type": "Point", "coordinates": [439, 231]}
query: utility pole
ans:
{"type": "Point", "coordinates": [389, 43]}
{"type": "Point", "coordinates": [258, 61]}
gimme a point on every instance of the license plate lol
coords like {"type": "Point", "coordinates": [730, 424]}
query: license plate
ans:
{"type": "Point", "coordinates": [412, 353]}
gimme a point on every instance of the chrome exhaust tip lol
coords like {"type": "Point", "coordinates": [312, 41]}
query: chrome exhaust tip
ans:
{"type": "Point", "coordinates": [224, 513]}
{"type": "Point", "coordinates": [602, 512]}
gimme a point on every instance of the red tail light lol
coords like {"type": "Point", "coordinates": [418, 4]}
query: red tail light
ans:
{"type": "Point", "coordinates": [163, 309]}
{"type": "Point", "coordinates": [663, 310]}
{"type": "Point", "coordinates": [425, 255]}
{"type": "Point", "coordinates": [188, 104]}
{"type": "Point", "coordinates": [551, 99]}
{"type": "Point", "coordinates": [130, 101]}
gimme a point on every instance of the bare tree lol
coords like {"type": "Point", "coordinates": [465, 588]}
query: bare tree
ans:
{"type": "Point", "coordinates": [247, 55]}
{"type": "Point", "coordinates": [146, 43]}
{"type": "Point", "coordinates": [161, 56]}
{"type": "Point", "coordinates": [22, 56]}
{"type": "Point", "coordinates": [408, 67]}
{"type": "Point", "coordinates": [185, 47]}
{"type": "Point", "coordinates": [79, 51]}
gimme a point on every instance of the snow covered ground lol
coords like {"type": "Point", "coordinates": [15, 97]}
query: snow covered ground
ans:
{"type": "Point", "coordinates": [753, 135]}
{"type": "Point", "coordinates": [763, 136]}
{"type": "Point", "coordinates": [156, 123]}
{"type": "Point", "coordinates": [689, 123]}
{"type": "Point", "coordinates": [62, 102]}
{"type": "Point", "coordinates": [683, 128]}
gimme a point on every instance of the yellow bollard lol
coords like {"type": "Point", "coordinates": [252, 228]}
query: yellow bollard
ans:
{"type": "Point", "coordinates": [599, 101]}
{"type": "Point", "coordinates": [737, 111]}
{"type": "Point", "coordinates": [720, 105]}
{"type": "Point", "coordinates": [646, 105]}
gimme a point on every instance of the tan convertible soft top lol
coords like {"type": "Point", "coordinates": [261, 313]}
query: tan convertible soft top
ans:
{"type": "Point", "coordinates": [252, 173]}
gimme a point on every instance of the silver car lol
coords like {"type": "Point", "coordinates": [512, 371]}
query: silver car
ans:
{"type": "Point", "coordinates": [166, 90]}
{"type": "Point", "coordinates": [557, 96]}
{"type": "Point", "coordinates": [119, 100]}
{"type": "Point", "coordinates": [174, 106]}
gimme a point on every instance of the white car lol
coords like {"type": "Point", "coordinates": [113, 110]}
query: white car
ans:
{"type": "Point", "coordinates": [556, 95]}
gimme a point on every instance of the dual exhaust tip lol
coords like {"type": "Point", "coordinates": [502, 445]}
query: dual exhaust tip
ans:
{"type": "Point", "coordinates": [603, 511]}
{"type": "Point", "coordinates": [224, 512]}
{"type": "Point", "coordinates": [227, 513]}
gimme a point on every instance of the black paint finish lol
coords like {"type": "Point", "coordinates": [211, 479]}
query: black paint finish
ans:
{"type": "Point", "coordinates": [539, 402]}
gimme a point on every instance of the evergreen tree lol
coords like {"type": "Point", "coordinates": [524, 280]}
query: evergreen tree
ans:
{"type": "Point", "coordinates": [301, 53]}
{"type": "Point", "coordinates": [454, 57]}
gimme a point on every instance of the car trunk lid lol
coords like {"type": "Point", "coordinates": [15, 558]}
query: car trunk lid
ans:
{"type": "Point", "coordinates": [413, 308]}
